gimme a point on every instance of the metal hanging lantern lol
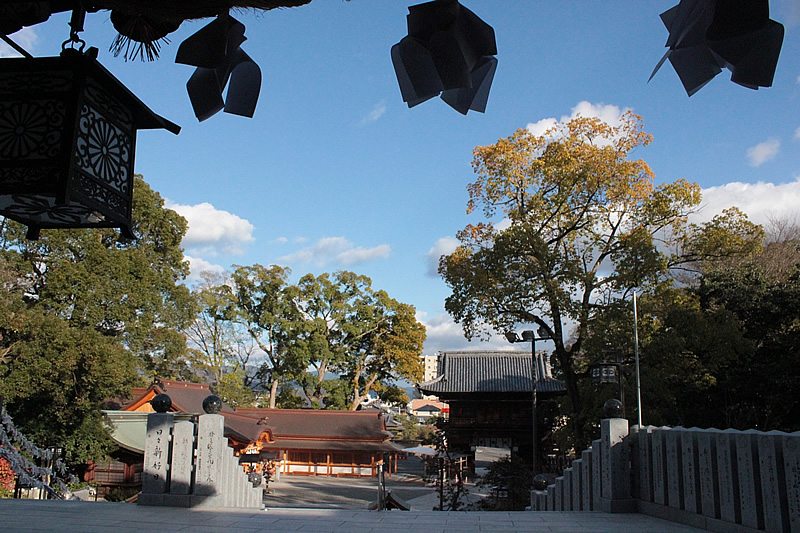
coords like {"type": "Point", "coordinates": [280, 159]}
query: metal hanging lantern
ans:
{"type": "Point", "coordinates": [604, 373]}
{"type": "Point", "coordinates": [67, 143]}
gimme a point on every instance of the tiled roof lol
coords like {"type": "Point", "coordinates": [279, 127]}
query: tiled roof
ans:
{"type": "Point", "coordinates": [474, 371]}
{"type": "Point", "coordinates": [187, 397]}
{"type": "Point", "coordinates": [311, 423]}
{"type": "Point", "coordinates": [335, 445]}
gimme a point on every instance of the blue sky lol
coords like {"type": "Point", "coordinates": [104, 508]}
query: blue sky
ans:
{"type": "Point", "coordinates": [335, 172]}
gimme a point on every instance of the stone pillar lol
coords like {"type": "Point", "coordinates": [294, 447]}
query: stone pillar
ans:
{"type": "Point", "coordinates": [211, 445]}
{"type": "Point", "coordinates": [728, 472]}
{"type": "Point", "coordinates": [707, 469]}
{"type": "Point", "coordinates": [578, 487]}
{"type": "Point", "coordinates": [674, 462]}
{"type": "Point", "coordinates": [691, 480]}
{"type": "Point", "coordinates": [558, 502]}
{"type": "Point", "coordinates": [228, 481]}
{"type": "Point", "coordinates": [659, 462]}
{"type": "Point", "coordinates": [182, 458]}
{"type": "Point", "coordinates": [773, 480]}
{"type": "Point", "coordinates": [539, 500]}
{"type": "Point", "coordinates": [586, 480]}
{"type": "Point", "coordinates": [567, 484]}
{"type": "Point", "coordinates": [616, 475]}
{"type": "Point", "coordinates": [155, 471]}
{"type": "Point", "coordinates": [750, 497]}
{"type": "Point", "coordinates": [597, 477]}
{"type": "Point", "coordinates": [551, 498]}
{"type": "Point", "coordinates": [644, 463]}
{"type": "Point", "coordinates": [791, 461]}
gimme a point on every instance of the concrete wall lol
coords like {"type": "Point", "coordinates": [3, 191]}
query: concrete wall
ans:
{"type": "Point", "coordinates": [721, 480]}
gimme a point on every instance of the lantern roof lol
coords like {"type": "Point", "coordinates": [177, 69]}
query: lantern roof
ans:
{"type": "Point", "coordinates": [87, 65]}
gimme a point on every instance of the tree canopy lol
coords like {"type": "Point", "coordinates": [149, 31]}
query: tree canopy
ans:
{"type": "Point", "coordinates": [82, 311]}
{"type": "Point", "coordinates": [333, 335]}
{"type": "Point", "coordinates": [583, 225]}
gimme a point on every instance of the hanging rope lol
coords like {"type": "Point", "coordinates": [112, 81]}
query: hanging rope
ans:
{"type": "Point", "coordinates": [13, 442]}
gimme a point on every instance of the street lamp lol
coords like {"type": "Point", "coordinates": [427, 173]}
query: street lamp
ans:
{"type": "Point", "coordinates": [529, 336]}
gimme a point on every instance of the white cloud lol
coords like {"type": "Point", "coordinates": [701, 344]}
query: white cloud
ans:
{"type": "Point", "coordinates": [761, 201]}
{"type": "Point", "coordinates": [763, 152]}
{"type": "Point", "coordinates": [539, 128]}
{"type": "Point", "coordinates": [279, 240]}
{"type": "Point", "coordinates": [375, 113]}
{"type": "Point", "coordinates": [503, 224]}
{"type": "Point", "coordinates": [444, 334]}
{"type": "Point", "coordinates": [197, 266]}
{"type": "Point", "coordinates": [610, 114]}
{"type": "Point", "coordinates": [797, 134]}
{"type": "Point", "coordinates": [336, 251]}
{"type": "Point", "coordinates": [26, 38]}
{"type": "Point", "coordinates": [361, 255]}
{"type": "Point", "coordinates": [213, 231]}
{"type": "Point", "coordinates": [443, 246]}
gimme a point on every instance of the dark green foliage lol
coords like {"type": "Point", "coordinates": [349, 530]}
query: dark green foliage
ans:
{"type": "Point", "coordinates": [723, 352]}
{"type": "Point", "coordinates": [413, 429]}
{"type": "Point", "coordinates": [120, 494]}
{"type": "Point", "coordinates": [513, 478]}
{"type": "Point", "coordinates": [289, 399]}
{"type": "Point", "coordinates": [80, 312]}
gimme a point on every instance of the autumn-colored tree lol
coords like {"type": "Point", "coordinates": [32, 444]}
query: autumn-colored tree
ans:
{"type": "Point", "coordinates": [583, 225]}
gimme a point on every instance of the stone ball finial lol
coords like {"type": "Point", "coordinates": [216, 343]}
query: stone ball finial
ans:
{"type": "Point", "coordinates": [613, 408]}
{"type": "Point", "coordinates": [161, 403]}
{"type": "Point", "coordinates": [212, 404]}
{"type": "Point", "coordinates": [540, 482]}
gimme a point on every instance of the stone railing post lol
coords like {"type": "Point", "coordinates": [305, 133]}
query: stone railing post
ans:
{"type": "Point", "coordinates": [182, 470]}
{"type": "Point", "coordinates": [615, 496]}
{"type": "Point", "coordinates": [155, 470]}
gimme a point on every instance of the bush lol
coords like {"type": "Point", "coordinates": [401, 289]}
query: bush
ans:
{"type": "Point", "coordinates": [515, 478]}
{"type": "Point", "coordinates": [120, 494]}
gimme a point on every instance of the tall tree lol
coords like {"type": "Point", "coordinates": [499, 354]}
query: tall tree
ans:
{"type": "Point", "coordinates": [317, 340]}
{"type": "Point", "coordinates": [382, 338]}
{"type": "Point", "coordinates": [262, 302]}
{"type": "Point", "coordinates": [82, 310]}
{"type": "Point", "coordinates": [332, 334]}
{"type": "Point", "coordinates": [584, 225]}
{"type": "Point", "coordinates": [218, 345]}
{"type": "Point", "coordinates": [762, 292]}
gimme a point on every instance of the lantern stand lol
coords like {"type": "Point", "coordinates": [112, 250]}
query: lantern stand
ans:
{"type": "Point", "coordinates": [67, 140]}
{"type": "Point", "coordinates": [530, 336]}
{"type": "Point", "coordinates": [609, 372]}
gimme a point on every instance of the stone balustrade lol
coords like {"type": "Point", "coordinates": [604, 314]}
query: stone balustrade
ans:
{"type": "Point", "coordinates": [722, 480]}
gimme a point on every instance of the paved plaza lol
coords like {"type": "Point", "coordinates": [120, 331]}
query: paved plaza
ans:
{"type": "Point", "coordinates": [78, 517]}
